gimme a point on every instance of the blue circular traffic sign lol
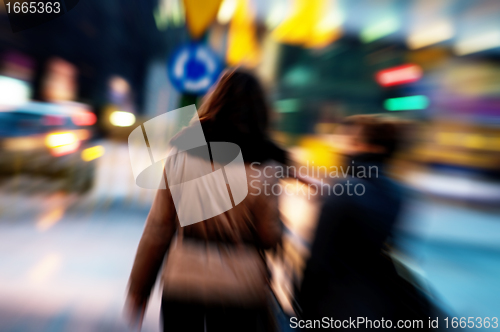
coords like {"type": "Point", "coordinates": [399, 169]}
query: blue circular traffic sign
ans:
{"type": "Point", "coordinates": [193, 68]}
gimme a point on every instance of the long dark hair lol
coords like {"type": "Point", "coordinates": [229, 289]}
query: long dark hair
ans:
{"type": "Point", "coordinates": [236, 106]}
{"type": "Point", "coordinates": [236, 111]}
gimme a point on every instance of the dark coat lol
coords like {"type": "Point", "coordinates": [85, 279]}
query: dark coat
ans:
{"type": "Point", "coordinates": [348, 273]}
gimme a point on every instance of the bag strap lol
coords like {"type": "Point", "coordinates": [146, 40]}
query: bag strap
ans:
{"type": "Point", "coordinates": [180, 236]}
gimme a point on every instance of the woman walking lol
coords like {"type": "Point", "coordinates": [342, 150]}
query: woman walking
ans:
{"type": "Point", "coordinates": [214, 277]}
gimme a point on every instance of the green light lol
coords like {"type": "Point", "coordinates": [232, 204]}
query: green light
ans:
{"type": "Point", "coordinates": [287, 106]}
{"type": "Point", "coordinates": [406, 103]}
{"type": "Point", "coordinates": [379, 30]}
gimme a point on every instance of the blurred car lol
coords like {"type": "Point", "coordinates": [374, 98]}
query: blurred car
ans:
{"type": "Point", "coordinates": [50, 139]}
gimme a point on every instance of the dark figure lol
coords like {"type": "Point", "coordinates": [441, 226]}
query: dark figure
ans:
{"type": "Point", "coordinates": [349, 273]}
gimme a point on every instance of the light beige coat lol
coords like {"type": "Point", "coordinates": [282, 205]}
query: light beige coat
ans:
{"type": "Point", "coordinates": [255, 221]}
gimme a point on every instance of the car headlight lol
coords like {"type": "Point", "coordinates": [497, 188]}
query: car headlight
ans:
{"type": "Point", "coordinates": [62, 143]}
{"type": "Point", "coordinates": [122, 119]}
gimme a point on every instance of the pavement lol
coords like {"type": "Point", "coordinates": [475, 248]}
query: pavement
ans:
{"type": "Point", "coordinates": [65, 259]}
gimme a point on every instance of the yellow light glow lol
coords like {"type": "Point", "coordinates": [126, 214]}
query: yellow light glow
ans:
{"type": "Point", "coordinates": [432, 34]}
{"type": "Point", "coordinates": [475, 141]}
{"type": "Point", "coordinates": [446, 138]}
{"type": "Point", "coordinates": [312, 23]}
{"type": "Point", "coordinates": [226, 11]}
{"type": "Point", "coordinates": [296, 28]}
{"type": "Point", "coordinates": [481, 42]}
{"type": "Point", "coordinates": [327, 30]}
{"type": "Point", "coordinates": [122, 119]}
{"type": "Point", "coordinates": [60, 139]}
{"type": "Point", "coordinates": [92, 153]}
{"type": "Point", "coordinates": [317, 152]}
{"type": "Point", "coordinates": [494, 144]}
{"type": "Point", "coordinates": [50, 218]}
{"type": "Point", "coordinates": [242, 46]}
{"type": "Point", "coordinates": [471, 141]}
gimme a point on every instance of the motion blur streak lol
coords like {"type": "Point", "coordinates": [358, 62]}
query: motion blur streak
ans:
{"type": "Point", "coordinates": [92, 153]}
{"type": "Point", "coordinates": [311, 23]}
{"type": "Point", "coordinates": [399, 75]}
{"type": "Point", "coordinates": [45, 269]}
{"type": "Point", "coordinates": [61, 144]}
{"type": "Point", "coordinates": [406, 103]}
{"type": "Point", "coordinates": [477, 43]}
{"type": "Point", "coordinates": [65, 149]}
{"type": "Point", "coordinates": [60, 139]}
{"type": "Point", "coordinates": [380, 29]}
{"type": "Point", "coordinates": [430, 34]}
{"type": "Point", "coordinates": [73, 89]}
{"type": "Point", "coordinates": [277, 13]}
{"type": "Point", "coordinates": [84, 119]}
{"type": "Point", "coordinates": [226, 11]}
{"type": "Point", "coordinates": [22, 144]}
{"type": "Point", "coordinates": [50, 218]}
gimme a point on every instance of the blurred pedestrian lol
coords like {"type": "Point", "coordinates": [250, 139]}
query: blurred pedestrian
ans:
{"type": "Point", "coordinates": [218, 281]}
{"type": "Point", "coordinates": [349, 273]}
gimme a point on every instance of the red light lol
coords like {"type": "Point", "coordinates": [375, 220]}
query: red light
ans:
{"type": "Point", "coordinates": [399, 75]}
{"type": "Point", "coordinates": [53, 120]}
{"type": "Point", "coordinates": [84, 118]}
